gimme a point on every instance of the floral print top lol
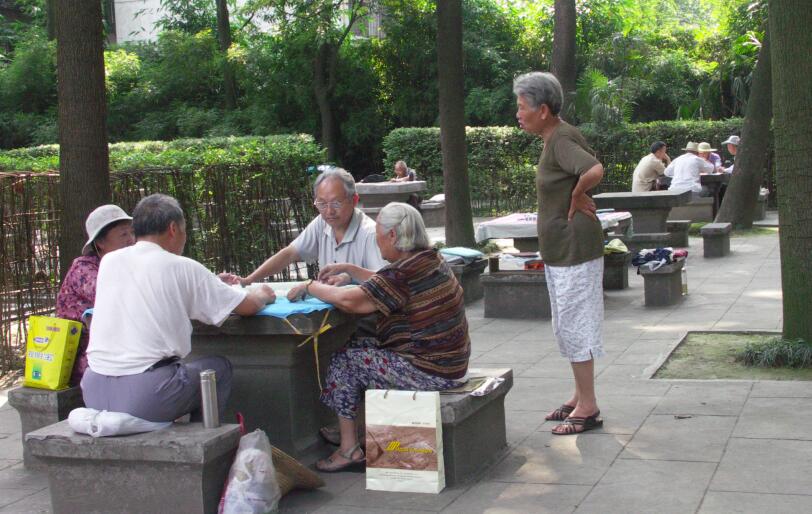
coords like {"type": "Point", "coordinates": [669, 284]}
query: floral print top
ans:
{"type": "Point", "coordinates": [77, 294]}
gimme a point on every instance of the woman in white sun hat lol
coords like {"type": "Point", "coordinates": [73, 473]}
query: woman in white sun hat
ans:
{"type": "Point", "coordinates": [108, 228]}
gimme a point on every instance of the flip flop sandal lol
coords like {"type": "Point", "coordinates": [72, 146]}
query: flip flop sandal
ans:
{"type": "Point", "coordinates": [328, 465]}
{"type": "Point", "coordinates": [576, 425]}
{"type": "Point", "coordinates": [332, 435]}
{"type": "Point", "coordinates": [560, 414]}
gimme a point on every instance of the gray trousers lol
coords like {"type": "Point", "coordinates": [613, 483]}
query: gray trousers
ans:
{"type": "Point", "coordinates": [161, 394]}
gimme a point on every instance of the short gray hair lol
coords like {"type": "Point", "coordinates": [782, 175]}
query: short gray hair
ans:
{"type": "Point", "coordinates": [155, 213]}
{"type": "Point", "coordinates": [336, 173]}
{"type": "Point", "coordinates": [539, 88]}
{"type": "Point", "coordinates": [407, 224]}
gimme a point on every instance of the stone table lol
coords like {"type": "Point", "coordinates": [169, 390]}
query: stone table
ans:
{"type": "Point", "coordinates": [375, 195]}
{"type": "Point", "coordinates": [649, 209]}
{"type": "Point", "coordinates": [714, 183]}
{"type": "Point", "coordinates": [275, 385]}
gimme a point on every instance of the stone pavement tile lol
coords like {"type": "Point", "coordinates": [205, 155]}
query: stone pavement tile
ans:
{"type": "Point", "coordinates": [517, 367]}
{"type": "Point", "coordinates": [17, 477]}
{"type": "Point", "coordinates": [308, 501]}
{"type": "Point", "coordinates": [485, 342]}
{"type": "Point", "coordinates": [649, 486]}
{"type": "Point", "coordinates": [340, 509]}
{"type": "Point", "coordinates": [622, 372]}
{"type": "Point", "coordinates": [722, 399]}
{"type": "Point", "coordinates": [538, 394]}
{"type": "Point", "coordinates": [24, 501]}
{"type": "Point", "coordinates": [544, 458]}
{"type": "Point", "coordinates": [781, 389]}
{"type": "Point", "coordinates": [524, 352]}
{"type": "Point", "coordinates": [666, 437]}
{"type": "Point", "coordinates": [765, 466]}
{"type": "Point", "coordinates": [644, 352]}
{"type": "Point", "coordinates": [503, 498]}
{"type": "Point", "coordinates": [7, 463]}
{"type": "Point", "coordinates": [513, 327]}
{"type": "Point", "coordinates": [613, 387]}
{"type": "Point", "coordinates": [621, 414]}
{"type": "Point", "coordinates": [555, 366]}
{"type": "Point", "coordinates": [776, 418]}
{"type": "Point", "coordinates": [11, 446]}
{"type": "Point", "coordinates": [540, 335]}
{"type": "Point", "coordinates": [10, 422]}
{"type": "Point", "coordinates": [703, 316]}
{"type": "Point", "coordinates": [358, 496]}
{"type": "Point", "coordinates": [718, 502]}
{"type": "Point", "coordinates": [520, 424]}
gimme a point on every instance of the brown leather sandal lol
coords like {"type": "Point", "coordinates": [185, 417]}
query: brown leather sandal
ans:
{"type": "Point", "coordinates": [576, 425]}
{"type": "Point", "coordinates": [329, 464]}
{"type": "Point", "coordinates": [560, 414]}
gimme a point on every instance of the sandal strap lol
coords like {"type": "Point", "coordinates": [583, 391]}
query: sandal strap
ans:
{"type": "Point", "coordinates": [352, 450]}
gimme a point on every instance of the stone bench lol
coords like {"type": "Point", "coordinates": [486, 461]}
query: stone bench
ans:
{"type": "Point", "coordinates": [433, 213]}
{"type": "Point", "coordinates": [637, 242]}
{"type": "Point", "coordinates": [178, 469]}
{"type": "Point", "coordinates": [616, 270]}
{"type": "Point", "coordinates": [761, 207]}
{"type": "Point", "coordinates": [516, 295]}
{"type": "Point", "coordinates": [679, 232]}
{"type": "Point", "coordinates": [663, 286]}
{"type": "Point", "coordinates": [468, 275]}
{"type": "Point", "coordinates": [474, 433]}
{"type": "Point", "coordinates": [39, 408]}
{"type": "Point", "coordinates": [716, 237]}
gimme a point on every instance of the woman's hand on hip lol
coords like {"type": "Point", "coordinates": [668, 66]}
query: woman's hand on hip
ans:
{"type": "Point", "coordinates": [581, 202]}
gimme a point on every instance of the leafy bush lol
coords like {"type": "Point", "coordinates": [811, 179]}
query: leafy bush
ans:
{"type": "Point", "coordinates": [777, 353]}
{"type": "Point", "coordinates": [502, 160]}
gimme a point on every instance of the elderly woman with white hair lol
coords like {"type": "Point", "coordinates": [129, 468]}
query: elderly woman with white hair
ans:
{"type": "Point", "coordinates": [422, 341]}
{"type": "Point", "coordinates": [570, 240]}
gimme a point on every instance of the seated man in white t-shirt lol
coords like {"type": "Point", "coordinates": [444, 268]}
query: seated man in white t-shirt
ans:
{"type": "Point", "coordinates": [341, 234]}
{"type": "Point", "coordinates": [145, 298]}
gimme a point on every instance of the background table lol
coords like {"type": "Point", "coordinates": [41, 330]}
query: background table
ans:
{"type": "Point", "coordinates": [714, 183]}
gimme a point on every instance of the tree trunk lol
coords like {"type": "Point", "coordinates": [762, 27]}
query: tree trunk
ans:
{"type": "Point", "coordinates": [224, 40]}
{"type": "Point", "coordinates": [459, 227]}
{"type": "Point", "coordinates": [83, 157]}
{"type": "Point", "coordinates": [790, 21]}
{"type": "Point", "coordinates": [563, 61]}
{"type": "Point", "coordinates": [323, 87]}
{"type": "Point", "coordinates": [739, 203]}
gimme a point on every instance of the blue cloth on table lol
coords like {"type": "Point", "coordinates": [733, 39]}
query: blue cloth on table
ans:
{"type": "Point", "coordinates": [282, 307]}
{"type": "Point", "coordinates": [466, 254]}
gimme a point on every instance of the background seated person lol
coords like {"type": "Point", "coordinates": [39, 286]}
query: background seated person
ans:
{"type": "Point", "coordinates": [650, 168]}
{"type": "Point", "coordinates": [709, 154]}
{"type": "Point", "coordinates": [108, 229]}
{"type": "Point", "coordinates": [341, 233]}
{"type": "Point", "coordinates": [146, 294]}
{"type": "Point", "coordinates": [422, 341]}
{"type": "Point", "coordinates": [403, 173]}
{"type": "Point", "coordinates": [686, 169]}
{"type": "Point", "coordinates": [732, 147]}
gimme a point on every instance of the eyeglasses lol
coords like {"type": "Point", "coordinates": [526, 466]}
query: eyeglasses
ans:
{"type": "Point", "coordinates": [335, 205]}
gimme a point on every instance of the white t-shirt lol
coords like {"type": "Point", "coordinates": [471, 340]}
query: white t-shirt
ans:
{"type": "Point", "coordinates": [686, 170]}
{"type": "Point", "coordinates": [318, 244]}
{"type": "Point", "coordinates": [145, 298]}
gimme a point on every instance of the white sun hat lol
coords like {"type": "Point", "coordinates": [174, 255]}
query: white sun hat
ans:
{"type": "Point", "coordinates": [100, 218]}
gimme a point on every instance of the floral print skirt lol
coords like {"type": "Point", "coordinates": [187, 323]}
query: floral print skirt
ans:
{"type": "Point", "coordinates": [362, 365]}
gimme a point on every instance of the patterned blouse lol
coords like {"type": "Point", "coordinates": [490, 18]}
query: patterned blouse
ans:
{"type": "Point", "coordinates": [78, 293]}
{"type": "Point", "coordinates": [423, 314]}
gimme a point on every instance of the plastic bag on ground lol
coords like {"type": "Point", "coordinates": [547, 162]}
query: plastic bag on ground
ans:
{"type": "Point", "coordinates": [251, 487]}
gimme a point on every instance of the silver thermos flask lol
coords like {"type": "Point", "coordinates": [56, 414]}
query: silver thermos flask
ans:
{"type": "Point", "coordinates": [208, 393]}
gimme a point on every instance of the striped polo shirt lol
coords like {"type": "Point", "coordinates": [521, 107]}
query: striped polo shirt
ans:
{"type": "Point", "coordinates": [423, 314]}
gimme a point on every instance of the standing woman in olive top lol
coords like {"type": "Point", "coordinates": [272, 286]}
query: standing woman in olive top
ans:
{"type": "Point", "coordinates": [571, 242]}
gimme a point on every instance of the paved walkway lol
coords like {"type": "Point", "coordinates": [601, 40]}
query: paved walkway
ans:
{"type": "Point", "coordinates": [667, 445]}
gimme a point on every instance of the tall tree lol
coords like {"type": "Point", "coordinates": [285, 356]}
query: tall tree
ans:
{"type": "Point", "coordinates": [84, 181]}
{"type": "Point", "coordinates": [790, 21]}
{"type": "Point", "coordinates": [563, 61]}
{"type": "Point", "coordinates": [459, 227]}
{"type": "Point", "coordinates": [224, 40]}
{"type": "Point", "coordinates": [739, 203]}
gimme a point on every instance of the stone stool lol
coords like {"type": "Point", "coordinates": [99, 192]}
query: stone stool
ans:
{"type": "Point", "coordinates": [178, 469]}
{"type": "Point", "coordinates": [39, 408]}
{"type": "Point", "coordinates": [468, 275]}
{"type": "Point", "coordinates": [717, 239]}
{"type": "Point", "coordinates": [433, 213]}
{"type": "Point", "coordinates": [663, 286]}
{"type": "Point", "coordinates": [516, 295]}
{"type": "Point", "coordinates": [679, 232]}
{"type": "Point", "coordinates": [616, 270]}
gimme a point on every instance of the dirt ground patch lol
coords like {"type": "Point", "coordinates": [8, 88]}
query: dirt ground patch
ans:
{"type": "Point", "coordinates": [711, 355]}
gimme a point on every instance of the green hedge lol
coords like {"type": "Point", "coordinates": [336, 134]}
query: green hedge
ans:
{"type": "Point", "coordinates": [245, 198]}
{"type": "Point", "coordinates": [502, 160]}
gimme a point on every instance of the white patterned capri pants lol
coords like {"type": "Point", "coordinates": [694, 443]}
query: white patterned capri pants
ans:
{"type": "Point", "coordinates": [576, 302]}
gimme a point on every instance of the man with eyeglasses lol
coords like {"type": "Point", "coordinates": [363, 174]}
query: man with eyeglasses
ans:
{"type": "Point", "coordinates": [340, 234]}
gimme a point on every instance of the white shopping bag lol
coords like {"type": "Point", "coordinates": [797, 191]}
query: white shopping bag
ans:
{"type": "Point", "coordinates": [404, 441]}
{"type": "Point", "coordinates": [252, 487]}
